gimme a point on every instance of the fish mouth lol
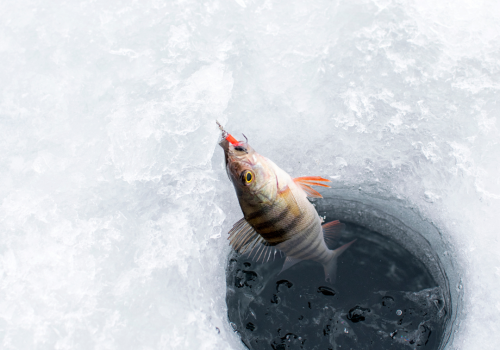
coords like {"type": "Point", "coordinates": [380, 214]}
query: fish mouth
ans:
{"type": "Point", "coordinates": [238, 159]}
{"type": "Point", "coordinates": [225, 145]}
{"type": "Point", "coordinates": [241, 149]}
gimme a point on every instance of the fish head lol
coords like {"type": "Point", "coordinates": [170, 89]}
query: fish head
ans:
{"type": "Point", "coordinates": [250, 173]}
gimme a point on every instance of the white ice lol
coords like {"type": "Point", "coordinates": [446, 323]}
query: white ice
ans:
{"type": "Point", "coordinates": [114, 200]}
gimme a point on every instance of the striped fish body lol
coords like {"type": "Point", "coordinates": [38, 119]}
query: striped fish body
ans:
{"type": "Point", "coordinates": [290, 223]}
{"type": "Point", "coordinates": [278, 217]}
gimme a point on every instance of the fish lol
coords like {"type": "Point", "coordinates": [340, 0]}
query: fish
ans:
{"type": "Point", "coordinates": [278, 219]}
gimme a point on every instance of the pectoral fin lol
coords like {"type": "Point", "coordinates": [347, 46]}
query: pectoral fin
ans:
{"type": "Point", "coordinates": [291, 201]}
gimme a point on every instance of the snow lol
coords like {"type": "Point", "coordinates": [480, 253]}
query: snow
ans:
{"type": "Point", "coordinates": [114, 200]}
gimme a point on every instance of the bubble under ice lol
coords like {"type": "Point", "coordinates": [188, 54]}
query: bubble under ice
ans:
{"type": "Point", "coordinates": [114, 200]}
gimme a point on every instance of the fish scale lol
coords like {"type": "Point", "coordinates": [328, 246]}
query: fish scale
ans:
{"type": "Point", "coordinates": [277, 224]}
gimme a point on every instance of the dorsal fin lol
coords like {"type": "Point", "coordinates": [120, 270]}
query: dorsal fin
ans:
{"type": "Point", "coordinates": [306, 182]}
{"type": "Point", "coordinates": [331, 232]}
{"type": "Point", "coordinates": [245, 240]}
{"type": "Point", "coordinates": [259, 250]}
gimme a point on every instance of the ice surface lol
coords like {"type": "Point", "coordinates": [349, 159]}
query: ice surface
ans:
{"type": "Point", "coordinates": [114, 200]}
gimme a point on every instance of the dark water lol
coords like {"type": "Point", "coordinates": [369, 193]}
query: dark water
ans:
{"type": "Point", "coordinates": [384, 298]}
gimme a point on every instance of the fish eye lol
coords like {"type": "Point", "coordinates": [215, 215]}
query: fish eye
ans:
{"type": "Point", "coordinates": [247, 177]}
{"type": "Point", "coordinates": [241, 149]}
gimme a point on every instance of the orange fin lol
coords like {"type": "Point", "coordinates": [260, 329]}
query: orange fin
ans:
{"type": "Point", "coordinates": [331, 232]}
{"type": "Point", "coordinates": [306, 182]}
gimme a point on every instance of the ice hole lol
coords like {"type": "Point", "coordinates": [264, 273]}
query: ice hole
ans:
{"type": "Point", "coordinates": [392, 288]}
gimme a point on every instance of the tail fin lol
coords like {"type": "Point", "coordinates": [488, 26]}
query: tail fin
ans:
{"type": "Point", "coordinates": [331, 266]}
